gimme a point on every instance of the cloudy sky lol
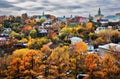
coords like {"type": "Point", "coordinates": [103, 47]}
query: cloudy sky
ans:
{"type": "Point", "coordinates": [59, 7]}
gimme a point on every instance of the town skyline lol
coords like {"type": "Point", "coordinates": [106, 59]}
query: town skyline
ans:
{"type": "Point", "coordinates": [59, 8]}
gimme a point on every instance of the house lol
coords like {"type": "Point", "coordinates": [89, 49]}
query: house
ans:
{"type": "Point", "coordinates": [42, 32]}
{"type": "Point", "coordinates": [113, 18]}
{"type": "Point", "coordinates": [20, 44]}
{"type": "Point", "coordinates": [82, 19]}
{"type": "Point", "coordinates": [111, 47]}
{"type": "Point", "coordinates": [61, 19]}
{"type": "Point", "coordinates": [99, 29]}
{"type": "Point", "coordinates": [72, 21]}
{"type": "Point", "coordinates": [91, 48]}
{"type": "Point", "coordinates": [75, 40]}
{"type": "Point", "coordinates": [46, 24]}
{"type": "Point", "coordinates": [104, 21]}
{"type": "Point", "coordinates": [37, 19]}
{"type": "Point", "coordinates": [3, 39]}
{"type": "Point", "coordinates": [117, 27]}
{"type": "Point", "coordinates": [7, 30]}
{"type": "Point", "coordinates": [4, 35]}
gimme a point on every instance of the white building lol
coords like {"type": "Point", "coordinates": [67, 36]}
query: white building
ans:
{"type": "Point", "coordinates": [75, 40]}
{"type": "Point", "coordinates": [110, 46]}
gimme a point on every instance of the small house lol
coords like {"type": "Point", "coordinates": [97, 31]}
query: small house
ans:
{"type": "Point", "coordinates": [75, 40]}
{"type": "Point", "coordinates": [111, 47]}
{"type": "Point", "coordinates": [42, 32]}
{"type": "Point", "coordinates": [99, 29]}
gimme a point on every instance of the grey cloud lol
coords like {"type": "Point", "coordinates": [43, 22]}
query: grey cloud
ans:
{"type": "Point", "coordinates": [5, 4]}
{"type": "Point", "coordinates": [75, 7]}
{"type": "Point", "coordinates": [38, 8]}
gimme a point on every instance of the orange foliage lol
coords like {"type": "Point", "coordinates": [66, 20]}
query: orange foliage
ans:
{"type": "Point", "coordinates": [89, 26]}
{"type": "Point", "coordinates": [13, 69]}
{"type": "Point", "coordinates": [45, 50]}
{"type": "Point", "coordinates": [30, 21]}
{"type": "Point", "coordinates": [110, 68]}
{"type": "Point", "coordinates": [92, 61]}
{"type": "Point", "coordinates": [81, 47]}
{"type": "Point", "coordinates": [26, 28]}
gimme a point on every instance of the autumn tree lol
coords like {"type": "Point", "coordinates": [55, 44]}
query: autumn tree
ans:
{"type": "Point", "coordinates": [46, 50]}
{"type": "Point", "coordinates": [30, 64]}
{"type": "Point", "coordinates": [77, 58]}
{"type": "Point", "coordinates": [24, 63]}
{"type": "Point", "coordinates": [58, 63]}
{"type": "Point", "coordinates": [15, 35]}
{"type": "Point", "coordinates": [1, 28]}
{"type": "Point", "coordinates": [37, 43]}
{"type": "Point", "coordinates": [115, 36]}
{"type": "Point", "coordinates": [80, 47]}
{"type": "Point", "coordinates": [4, 62]}
{"type": "Point", "coordinates": [33, 33]}
{"type": "Point", "coordinates": [40, 21]}
{"type": "Point", "coordinates": [13, 71]}
{"type": "Point", "coordinates": [14, 63]}
{"type": "Point", "coordinates": [20, 53]}
{"type": "Point", "coordinates": [51, 34]}
{"type": "Point", "coordinates": [110, 67]}
{"type": "Point", "coordinates": [92, 62]}
{"type": "Point", "coordinates": [105, 34]}
{"type": "Point", "coordinates": [64, 33]}
{"type": "Point", "coordinates": [89, 26]}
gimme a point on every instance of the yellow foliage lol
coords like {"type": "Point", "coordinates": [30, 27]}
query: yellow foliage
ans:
{"type": "Point", "coordinates": [66, 30]}
{"type": "Point", "coordinates": [23, 40]}
{"type": "Point", "coordinates": [30, 42]}
{"type": "Point", "coordinates": [20, 52]}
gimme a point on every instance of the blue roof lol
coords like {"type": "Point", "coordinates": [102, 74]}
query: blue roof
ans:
{"type": "Point", "coordinates": [61, 19]}
{"type": "Point", "coordinates": [37, 18]}
{"type": "Point", "coordinates": [112, 17]}
{"type": "Point", "coordinates": [90, 47]}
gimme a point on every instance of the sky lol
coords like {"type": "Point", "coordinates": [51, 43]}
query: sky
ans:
{"type": "Point", "coordinates": [59, 7]}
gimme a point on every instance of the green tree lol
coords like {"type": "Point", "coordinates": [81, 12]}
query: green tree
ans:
{"type": "Point", "coordinates": [1, 28]}
{"type": "Point", "coordinates": [33, 33]}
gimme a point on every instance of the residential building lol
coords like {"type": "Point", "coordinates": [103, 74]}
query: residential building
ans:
{"type": "Point", "coordinates": [111, 48]}
{"type": "Point", "coordinates": [75, 40]}
{"type": "Point", "coordinates": [82, 19]}
{"type": "Point", "coordinates": [99, 29]}
{"type": "Point", "coordinates": [62, 19]}
{"type": "Point", "coordinates": [42, 32]}
{"type": "Point", "coordinates": [112, 18]}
